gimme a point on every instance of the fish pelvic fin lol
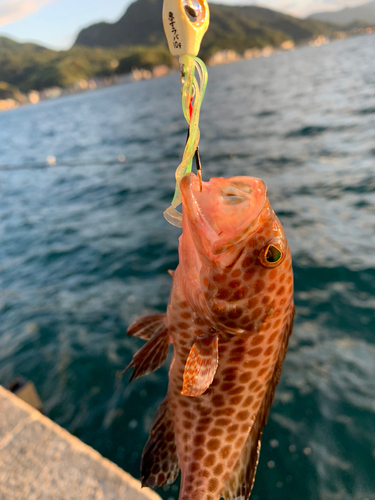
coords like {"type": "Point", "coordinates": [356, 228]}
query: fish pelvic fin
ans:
{"type": "Point", "coordinates": [241, 481]}
{"type": "Point", "coordinates": [152, 355]}
{"type": "Point", "coordinates": [200, 367]}
{"type": "Point", "coordinates": [148, 326]}
{"type": "Point", "coordinates": [159, 459]}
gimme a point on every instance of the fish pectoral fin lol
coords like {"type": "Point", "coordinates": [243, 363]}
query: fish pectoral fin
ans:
{"type": "Point", "coordinates": [200, 367]}
{"type": "Point", "coordinates": [151, 356]}
{"type": "Point", "coordinates": [148, 326]}
{"type": "Point", "coordinates": [240, 483]}
{"type": "Point", "coordinates": [159, 458]}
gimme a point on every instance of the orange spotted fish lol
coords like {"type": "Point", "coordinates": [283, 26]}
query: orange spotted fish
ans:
{"type": "Point", "coordinates": [229, 319]}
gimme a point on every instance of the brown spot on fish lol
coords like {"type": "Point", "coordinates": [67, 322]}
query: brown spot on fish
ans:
{"type": "Point", "coordinates": [236, 273]}
{"type": "Point", "coordinates": [222, 294]}
{"type": "Point", "coordinates": [272, 337]}
{"type": "Point", "coordinates": [213, 484]}
{"type": "Point", "coordinates": [266, 299]}
{"type": "Point", "coordinates": [215, 431]}
{"type": "Point", "coordinates": [251, 303]}
{"type": "Point", "coordinates": [236, 390]}
{"type": "Point", "coordinates": [218, 400]}
{"type": "Point", "coordinates": [235, 400]}
{"type": "Point", "coordinates": [272, 287]}
{"type": "Point", "coordinates": [258, 286]}
{"type": "Point", "coordinates": [253, 363]}
{"type": "Point", "coordinates": [230, 438]}
{"type": "Point", "coordinates": [280, 291]}
{"type": "Point", "coordinates": [184, 304]}
{"type": "Point", "coordinates": [243, 415]}
{"type": "Point", "coordinates": [257, 339]}
{"type": "Point", "coordinates": [219, 278]}
{"type": "Point", "coordinates": [227, 385]}
{"type": "Point", "coordinates": [213, 444]}
{"type": "Point", "coordinates": [155, 469]}
{"type": "Point", "coordinates": [185, 315]}
{"type": "Point", "coordinates": [230, 370]}
{"type": "Point", "coordinates": [239, 294]}
{"type": "Point", "coordinates": [218, 470]}
{"type": "Point", "coordinates": [237, 359]}
{"type": "Point", "coordinates": [235, 313]}
{"type": "Point", "coordinates": [236, 351]}
{"type": "Point", "coordinates": [245, 377]}
{"type": "Point", "coordinates": [248, 401]}
{"type": "Point", "coordinates": [272, 274]}
{"type": "Point", "coordinates": [204, 421]}
{"type": "Point", "coordinates": [223, 412]}
{"type": "Point", "coordinates": [210, 460]}
{"type": "Point", "coordinates": [198, 454]}
{"type": "Point", "coordinates": [235, 283]}
{"type": "Point", "coordinates": [194, 467]}
{"type": "Point", "coordinates": [247, 261]}
{"type": "Point", "coordinates": [248, 275]}
{"type": "Point", "coordinates": [255, 352]}
{"type": "Point", "coordinates": [224, 453]}
{"type": "Point", "coordinates": [245, 320]}
{"type": "Point", "coordinates": [256, 313]}
{"type": "Point", "coordinates": [222, 422]}
{"type": "Point", "coordinates": [199, 440]}
{"type": "Point", "coordinates": [268, 351]}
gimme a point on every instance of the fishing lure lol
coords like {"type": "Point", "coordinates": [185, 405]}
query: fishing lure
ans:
{"type": "Point", "coordinates": [185, 23]}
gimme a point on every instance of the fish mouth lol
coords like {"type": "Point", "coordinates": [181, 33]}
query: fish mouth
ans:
{"type": "Point", "coordinates": [224, 211]}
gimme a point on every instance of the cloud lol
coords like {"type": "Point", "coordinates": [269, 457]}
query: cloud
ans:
{"type": "Point", "coordinates": [13, 10]}
{"type": "Point", "coordinates": [303, 8]}
{"type": "Point", "coordinates": [310, 6]}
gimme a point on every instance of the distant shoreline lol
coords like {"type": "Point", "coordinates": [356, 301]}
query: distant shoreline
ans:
{"type": "Point", "coordinates": [34, 97]}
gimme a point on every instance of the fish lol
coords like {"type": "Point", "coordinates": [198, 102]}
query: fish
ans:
{"type": "Point", "coordinates": [229, 318]}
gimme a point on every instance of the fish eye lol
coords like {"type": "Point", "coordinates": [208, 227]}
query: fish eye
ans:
{"type": "Point", "coordinates": [273, 253]}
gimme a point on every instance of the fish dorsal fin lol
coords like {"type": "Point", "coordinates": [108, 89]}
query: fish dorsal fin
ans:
{"type": "Point", "coordinates": [152, 355]}
{"type": "Point", "coordinates": [159, 458]}
{"type": "Point", "coordinates": [240, 483]}
{"type": "Point", "coordinates": [200, 367]}
{"type": "Point", "coordinates": [147, 326]}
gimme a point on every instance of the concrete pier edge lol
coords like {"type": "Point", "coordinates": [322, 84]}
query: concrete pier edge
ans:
{"type": "Point", "coordinates": [39, 460]}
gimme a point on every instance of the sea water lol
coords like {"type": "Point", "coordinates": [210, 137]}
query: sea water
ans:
{"type": "Point", "coordinates": [84, 250]}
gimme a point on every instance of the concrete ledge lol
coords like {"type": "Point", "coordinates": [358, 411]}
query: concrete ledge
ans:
{"type": "Point", "coordinates": [41, 461]}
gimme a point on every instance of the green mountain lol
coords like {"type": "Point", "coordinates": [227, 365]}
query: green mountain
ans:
{"type": "Point", "coordinates": [138, 39]}
{"type": "Point", "coordinates": [350, 15]}
{"type": "Point", "coordinates": [236, 28]}
{"type": "Point", "coordinates": [32, 67]}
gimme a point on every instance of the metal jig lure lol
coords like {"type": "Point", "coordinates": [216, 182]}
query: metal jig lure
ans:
{"type": "Point", "coordinates": [185, 23]}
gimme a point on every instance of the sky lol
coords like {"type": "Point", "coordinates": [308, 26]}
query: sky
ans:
{"type": "Point", "coordinates": [56, 23]}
